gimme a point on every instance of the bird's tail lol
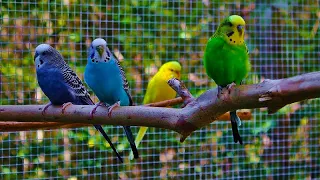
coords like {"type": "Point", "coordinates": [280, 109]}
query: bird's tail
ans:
{"type": "Point", "coordinates": [131, 141]}
{"type": "Point", "coordinates": [139, 137]}
{"type": "Point", "coordinates": [104, 134]}
{"type": "Point", "coordinates": [234, 119]}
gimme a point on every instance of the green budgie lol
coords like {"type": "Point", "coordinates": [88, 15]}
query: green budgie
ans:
{"type": "Point", "coordinates": [226, 60]}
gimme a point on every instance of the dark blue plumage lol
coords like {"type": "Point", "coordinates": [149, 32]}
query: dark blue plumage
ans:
{"type": "Point", "coordinates": [60, 84]}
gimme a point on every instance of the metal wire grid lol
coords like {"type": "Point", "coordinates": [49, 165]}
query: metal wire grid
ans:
{"type": "Point", "coordinates": [282, 37]}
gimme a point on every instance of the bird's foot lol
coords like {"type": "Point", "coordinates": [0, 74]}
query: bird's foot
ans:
{"type": "Point", "coordinates": [231, 86]}
{"type": "Point", "coordinates": [45, 108]}
{"type": "Point", "coordinates": [110, 109]}
{"type": "Point", "coordinates": [65, 105]}
{"type": "Point", "coordinates": [95, 109]}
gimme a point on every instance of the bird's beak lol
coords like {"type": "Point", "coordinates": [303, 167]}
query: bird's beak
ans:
{"type": "Point", "coordinates": [100, 50]}
{"type": "Point", "coordinates": [178, 74]}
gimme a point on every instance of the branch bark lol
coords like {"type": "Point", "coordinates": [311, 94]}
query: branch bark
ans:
{"type": "Point", "coordinates": [198, 112]}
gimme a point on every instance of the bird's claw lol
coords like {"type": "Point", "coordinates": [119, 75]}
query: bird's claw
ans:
{"type": "Point", "coordinates": [45, 108]}
{"type": "Point", "coordinates": [95, 109]}
{"type": "Point", "coordinates": [65, 105]}
{"type": "Point", "coordinates": [231, 86]}
{"type": "Point", "coordinates": [110, 108]}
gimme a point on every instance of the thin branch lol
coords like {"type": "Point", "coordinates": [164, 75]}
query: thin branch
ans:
{"type": "Point", "coordinates": [197, 113]}
{"type": "Point", "coordinates": [167, 103]}
{"type": "Point", "coordinates": [24, 126]}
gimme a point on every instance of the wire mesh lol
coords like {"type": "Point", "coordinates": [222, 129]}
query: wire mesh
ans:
{"type": "Point", "coordinates": [283, 40]}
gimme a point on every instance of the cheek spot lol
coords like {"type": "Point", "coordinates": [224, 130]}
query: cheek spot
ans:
{"type": "Point", "coordinates": [230, 33]}
{"type": "Point", "coordinates": [234, 41]}
{"type": "Point", "coordinates": [231, 40]}
{"type": "Point", "coordinates": [38, 65]}
{"type": "Point", "coordinates": [92, 60]}
{"type": "Point", "coordinates": [92, 56]}
{"type": "Point", "coordinates": [96, 61]}
{"type": "Point", "coordinates": [105, 60]}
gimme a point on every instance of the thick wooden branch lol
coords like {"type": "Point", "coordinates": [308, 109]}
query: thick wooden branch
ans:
{"type": "Point", "coordinates": [11, 126]}
{"type": "Point", "coordinates": [198, 112]}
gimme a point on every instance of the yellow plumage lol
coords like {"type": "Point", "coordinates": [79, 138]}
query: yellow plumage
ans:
{"type": "Point", "coordinates": [159, 90]}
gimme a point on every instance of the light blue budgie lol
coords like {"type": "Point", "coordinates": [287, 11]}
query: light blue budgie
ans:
{"type": "Point", "coordinates": [60, 84]}
{"type": "Point", "coordinates": [106, 78]}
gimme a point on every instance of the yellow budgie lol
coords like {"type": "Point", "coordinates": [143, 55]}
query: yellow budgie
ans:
{"type": "Point", "coordinates": [159, 90]}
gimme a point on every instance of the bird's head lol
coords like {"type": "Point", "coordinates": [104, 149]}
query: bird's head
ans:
{"type": "Point", "coordinates": [45, 54]}
{"type": "Point", "coordinates": [171, 69]}
{"type": "Point", "coordinates": [233, 28]}
{"type": "Point", "coordinates": [99, 52]}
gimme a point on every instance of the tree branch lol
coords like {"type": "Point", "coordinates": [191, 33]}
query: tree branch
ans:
{"type": "Point", "coordinates": [198, 112]}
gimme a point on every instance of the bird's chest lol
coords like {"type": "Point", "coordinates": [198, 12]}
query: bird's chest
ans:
{"type": "Point", "coordinates": [105, 81]}
{"type": "Point", "coordinates": [230, 64]}
{"type": "Point", "coordinates": [232, 55]}
{"type": "Point", "coordinates": [54, 87]}
{"type": "Point", "coordinates": [164, 91]}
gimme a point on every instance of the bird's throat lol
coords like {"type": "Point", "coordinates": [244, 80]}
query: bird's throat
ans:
{"type": "Point", "coordinates": [235, 38]}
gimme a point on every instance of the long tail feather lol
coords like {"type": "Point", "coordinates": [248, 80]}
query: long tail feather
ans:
{"type": "Point", "coordinates": [234, 119]}
{"type": "Point", "coordinates": [131, 141]}
{"type": "Point", "coordinates": [139, 137]}
{"type": "Point", "coordinates": [104, 134]}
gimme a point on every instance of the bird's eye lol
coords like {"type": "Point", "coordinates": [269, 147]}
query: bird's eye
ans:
{"type": "Point", "coordinates": [171, 70]}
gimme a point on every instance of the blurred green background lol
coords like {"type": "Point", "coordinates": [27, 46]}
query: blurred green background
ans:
{"type": "Point", "coordinates": [283, 40]}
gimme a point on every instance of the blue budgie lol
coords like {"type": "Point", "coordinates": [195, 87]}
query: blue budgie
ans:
{"type": "Point", "coordinates": [106, 78]}
{"type": "Point", "coordinates": [60, 84]}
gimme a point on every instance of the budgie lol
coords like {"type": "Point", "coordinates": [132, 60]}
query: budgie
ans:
{"type": "Point", "coordinates": [159, 90]}
{"type": "Point", "coordinates": [226, 60]}
{"type": "Point", "coordinates": [60, 84]}
{"type": "Point", "coordinates": [106, 78]}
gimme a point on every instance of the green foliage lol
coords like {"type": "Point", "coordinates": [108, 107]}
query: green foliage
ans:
{"type": "Point", "coordinates": [283, 39]}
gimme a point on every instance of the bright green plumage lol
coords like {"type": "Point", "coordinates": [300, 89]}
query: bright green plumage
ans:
{"type": "Point", "coordinates": [226, 58]}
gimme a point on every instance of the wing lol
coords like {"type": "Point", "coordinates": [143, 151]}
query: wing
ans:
{"type": "Point", "coordinates": [124, 80]}
{"type": "Point", "coordinates": [75, 83]}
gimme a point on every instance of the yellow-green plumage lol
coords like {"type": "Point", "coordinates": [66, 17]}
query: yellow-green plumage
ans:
{"type": "Point", "coordinates": [226, 58]}
{"type": "Point", "coordinates": [159, 90]}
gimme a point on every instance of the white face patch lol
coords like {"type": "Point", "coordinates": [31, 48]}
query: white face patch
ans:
{"type": "Point", "coordinates": [96, 58]}
{"type": "Point", "coordinates": [98, 42]}
{"type": "Point", "coordinates": [99, 45]}
{"type": "Point", "coordinates": [42, 47]}
{"type": "Point", "coordinates": [39, 52]}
